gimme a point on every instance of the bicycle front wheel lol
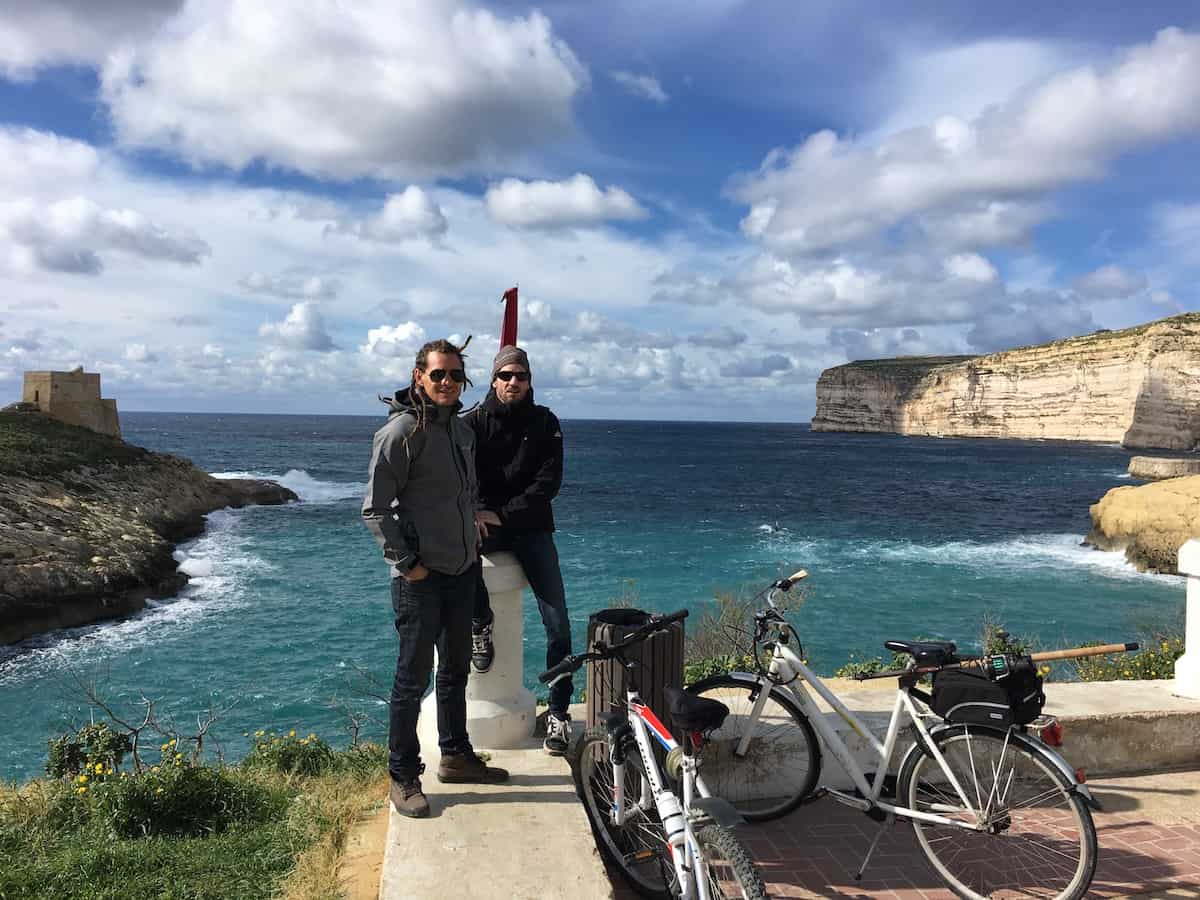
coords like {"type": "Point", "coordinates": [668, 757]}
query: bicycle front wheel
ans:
{"type": "Point", "coordinates": [764, 765]}
{"type": "Point", "coordinates": [1035, 835]}
{"type": "Point", "coordinates": [638, 846]}
{"type": "Point", "coordinates": [728, 868]}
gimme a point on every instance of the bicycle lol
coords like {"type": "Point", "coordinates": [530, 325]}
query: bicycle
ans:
{"type": "Point", "coordinates": [995, 810]}
{"type": "Point", "coordinates": [667, 844]}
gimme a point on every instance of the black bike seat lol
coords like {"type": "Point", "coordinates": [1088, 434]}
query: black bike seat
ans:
{"type": "Point", "coordinates": [926, 653]}
{"type": "Point", "coordinates": [692, 713]}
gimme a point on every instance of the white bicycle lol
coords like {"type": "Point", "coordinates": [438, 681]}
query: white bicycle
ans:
{"type": "Point", "coordinates": [997, 812]}
{"type": "Point", "coordinates": [666, 844]}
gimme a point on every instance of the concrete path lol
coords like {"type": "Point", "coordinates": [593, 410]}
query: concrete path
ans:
{"type": "Point", "coordinates": [1149, 836]}
{"type": "Point", "coordinates": [528, 839]}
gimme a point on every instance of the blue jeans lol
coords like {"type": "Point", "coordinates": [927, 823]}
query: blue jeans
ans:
{"type": "Point", "coordinates": [538, 556]}
{"type": "Point", "coordinates": [435, 611]}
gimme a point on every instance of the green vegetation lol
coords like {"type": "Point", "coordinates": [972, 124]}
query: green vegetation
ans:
{"type": "Point", "coordinates": [1157, 660]}
{"type": "Point", "coordinates": [35, 445]}
{"type": "Point", "coordinates": [276, 825]}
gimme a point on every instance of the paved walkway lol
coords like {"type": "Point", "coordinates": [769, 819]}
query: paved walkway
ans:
{"type": "Point", "coordinates": [1149, 837]}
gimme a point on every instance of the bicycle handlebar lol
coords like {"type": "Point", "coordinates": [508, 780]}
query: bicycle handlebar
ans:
{"type": "Point", "coordinates": [574, 661]}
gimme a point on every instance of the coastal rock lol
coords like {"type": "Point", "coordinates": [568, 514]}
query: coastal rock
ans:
{"type": "Point", "coordinates": [88, 523]}
{"type": "Point", "coordinates": [1139, 387]}
{"type": "Point", "coordinates": [1156, 468]}
{"type": "Point", "coordinates": [1149, 522]}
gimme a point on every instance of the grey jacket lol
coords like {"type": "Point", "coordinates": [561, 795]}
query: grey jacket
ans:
{"type": "Point", "coordinates": [421, 494]}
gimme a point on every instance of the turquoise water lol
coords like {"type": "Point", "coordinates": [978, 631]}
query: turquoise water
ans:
{"type": "Point", "coordinates": [288, 615]}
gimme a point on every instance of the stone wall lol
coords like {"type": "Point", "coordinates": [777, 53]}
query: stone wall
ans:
{"type": "Point", "coordinates": [1139, 387]}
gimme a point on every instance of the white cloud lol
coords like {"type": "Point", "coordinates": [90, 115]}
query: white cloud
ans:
{"type": "Point", "coordinates": [291, 286]}
{"type": "Point", "coordinates": [29, 158]}
{"type": "Point", "coordinates": [70, 235]}
{"type": "Point", "coordinates": [303, 329]}
{"type": "Point", "coordinates": [722, 337]}
{"type": "Point", "coordinates": [137, 353]}
{"type": "Point", "coordinates": [404, 91]}
{"type": "Point", "coordinates": [576, 201]}
{"type": "Point", "coordinates": [760, 366]}
{"type": "Point", "coordinates": [394, 341]}
{"type": "Point", "coordinates": [1110, 283]}
{"type": "Point", "coordinates": [37, 33]}
{"type": "Point", "coordinates": [832, 193]}
{"type": "Point", "coordinates": [1033, 318]}
{"type": "Point", "coordinates": [647, 87]}
{"type": "Point", "coordinates": [971, 267]}
{"type": "Point", "coordinates": [409, 215]}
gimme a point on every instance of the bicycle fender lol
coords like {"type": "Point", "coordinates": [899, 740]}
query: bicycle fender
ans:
{"type": "Point", "coordinates": [1018, 737]}
{"type": "Point", "coordinates": [720, 811]}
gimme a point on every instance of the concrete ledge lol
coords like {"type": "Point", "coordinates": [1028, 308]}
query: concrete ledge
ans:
{"type": "Point", "coordinates": [528, 839]}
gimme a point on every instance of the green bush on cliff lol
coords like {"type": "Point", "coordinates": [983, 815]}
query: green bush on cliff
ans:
{"type": "Point", "coordinates": [1157, 660]}
{"type": "Point", "coordinates": [35, 445]}
{"type": "Point", "coordinates": [183, 828]}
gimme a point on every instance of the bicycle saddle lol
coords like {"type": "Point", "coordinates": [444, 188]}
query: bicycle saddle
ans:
{"type": "Point", "coordinates": [926, 653]}
{"type": "Point", "coordinates": [692, 713]}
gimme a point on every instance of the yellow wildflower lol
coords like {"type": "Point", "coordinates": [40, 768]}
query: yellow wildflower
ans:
{"type": "Point", "coordinates": [173, 742]}
{"type": "Point", "coordinates": [83, 779]}
{"type": "Point", "coordinates": [158, 790]}
{"type": "Point", "coordinates": [99, 768]}
{"type": "Point", "coordinates": [81, 790]}
{"type": "Point", "coordinates": [292, 733]}
{"type": "Point", "coordinates": [164, 747]}
{"type": "Point", "coordinates": [259, 733]}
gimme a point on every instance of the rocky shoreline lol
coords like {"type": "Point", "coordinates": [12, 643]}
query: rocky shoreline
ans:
{"type": "Point", "coordinates": [88, 523]}
{"type": "Point", "coordinates": [1148, 522]}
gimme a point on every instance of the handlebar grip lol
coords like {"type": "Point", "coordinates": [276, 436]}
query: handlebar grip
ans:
{"type": "Point", "coordinates": [785, 584]}
{"type": "Point", "coordinates": [673, 617]}
{"type": "Point", "coordinates": [567, 665]}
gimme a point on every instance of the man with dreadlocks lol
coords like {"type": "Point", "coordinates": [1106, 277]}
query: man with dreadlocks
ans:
{"type": "Point", "coordinates": [420, 505]}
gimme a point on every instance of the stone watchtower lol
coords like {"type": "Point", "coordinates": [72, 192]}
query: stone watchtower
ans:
{"type": "Point", "coordinates": [73, 397]}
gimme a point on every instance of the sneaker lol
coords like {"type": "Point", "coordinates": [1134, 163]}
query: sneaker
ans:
{"type": "Point", "coordinates": [408, 799]}
{"type": "Point", "coordinates": [467, 768]}
{"type": "Point", "coordinates": [483, 651]}
{"type": "Point", "coordinates": [558, 735]}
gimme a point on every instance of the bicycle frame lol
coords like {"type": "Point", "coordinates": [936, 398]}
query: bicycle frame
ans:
{"type": "Point", "coordinates": [673, 812]}
{"type": "Point", "coordinates": [789, 671]}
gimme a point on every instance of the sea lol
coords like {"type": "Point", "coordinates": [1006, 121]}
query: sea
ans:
{"type": "Point", "coordinates": [286, 621]}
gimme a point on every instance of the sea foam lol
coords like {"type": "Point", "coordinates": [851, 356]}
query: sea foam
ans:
{"type": "Point", "coordinates": [307, 488]}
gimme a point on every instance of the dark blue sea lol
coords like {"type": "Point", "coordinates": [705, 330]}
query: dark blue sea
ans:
{"type": "Point", "coordinates": [287, 617]}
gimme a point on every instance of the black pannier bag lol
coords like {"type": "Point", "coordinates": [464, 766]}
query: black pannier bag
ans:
{"type": "Point", "coordinates": [966, 696]}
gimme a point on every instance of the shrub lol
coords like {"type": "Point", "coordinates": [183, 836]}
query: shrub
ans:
{"type": "Point", "coordinates": [1156, 661]}
{"type": "Point", "coordinates": [94, 749]}
{"type": "Point", "coordinates": [181, 800]}
{"type": "Point", "coordinates": [290, 754]}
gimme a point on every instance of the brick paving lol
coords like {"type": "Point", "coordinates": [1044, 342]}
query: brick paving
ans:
{"type": "Point", "coordinates": [1145, 850]}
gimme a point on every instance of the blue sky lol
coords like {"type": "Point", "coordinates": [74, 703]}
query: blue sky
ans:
{"type": "Point", "coordinates": [265, 206]}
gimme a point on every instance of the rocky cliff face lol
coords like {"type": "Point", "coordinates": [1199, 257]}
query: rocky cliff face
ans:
{"type": "Point", "coordinates": [1148, 522]}
{"type": "Point", "coordinates": [1139, 386]}
{"type": "Point", "coordinates": [88, 523]}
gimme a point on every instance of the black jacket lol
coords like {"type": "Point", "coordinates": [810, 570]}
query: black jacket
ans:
{"type": "Point", "coordinates": [518, 461]}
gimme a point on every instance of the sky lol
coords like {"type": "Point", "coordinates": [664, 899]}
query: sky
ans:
{"type": "Point", "coordinates": [267, 206]}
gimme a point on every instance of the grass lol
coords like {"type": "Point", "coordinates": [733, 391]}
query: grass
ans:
{"type": "Point", "coordinates": [35, 445]}
{"type": "Point", "coordinates": [56, 842]}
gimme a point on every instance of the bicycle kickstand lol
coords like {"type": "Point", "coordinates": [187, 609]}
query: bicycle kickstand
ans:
{"type": "Point", "coordinates": [890, 820]}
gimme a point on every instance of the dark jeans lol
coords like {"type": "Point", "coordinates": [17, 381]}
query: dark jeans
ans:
{"type": "Point", "coordinates": [538, 556]}
{"type": "Point", "coordinates": [435, 611]}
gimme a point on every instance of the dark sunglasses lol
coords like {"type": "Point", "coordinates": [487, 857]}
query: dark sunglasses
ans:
{"type": "Point", "coordinates": [439, 375]}
{"type": "Point", "coordinates": [509, 376]}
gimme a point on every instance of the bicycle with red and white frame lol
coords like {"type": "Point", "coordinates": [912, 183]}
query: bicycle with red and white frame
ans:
{"type": "Point", "coordinates": [667, 844]}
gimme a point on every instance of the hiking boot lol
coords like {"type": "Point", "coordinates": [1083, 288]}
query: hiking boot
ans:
{"type": "Point", "coordinates": [467, 768]}
{"type": "Point", "coordinates": [408, 799]}
{"type": "Point", "coordinates": [558, 735]}
{"type": "Point", "coordinates": [483, 651]}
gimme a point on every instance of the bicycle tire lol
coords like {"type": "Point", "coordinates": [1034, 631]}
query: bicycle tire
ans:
{"type": "Point", "coordinates": [1041, 838]}
{"type": "Point", "coordinates": [651, 876]}
{"type": "Point", "coordinates": [737, 779]}
{"type": "Point", "coordinates": [728, 865]}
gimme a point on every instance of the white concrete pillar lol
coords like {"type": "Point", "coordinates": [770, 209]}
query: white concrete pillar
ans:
{"type": "Point", "coordinates": [1187, 667]}
{"type": "Point", "coordinates": [501, 712]}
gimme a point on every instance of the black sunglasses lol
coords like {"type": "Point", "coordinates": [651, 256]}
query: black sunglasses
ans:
{"type": "Point", "coordinates": [509, 376]}
{"type": "Point", "coordinates": [439, 375]}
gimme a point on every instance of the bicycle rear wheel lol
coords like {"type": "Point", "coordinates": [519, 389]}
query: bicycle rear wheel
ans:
{"type": "Point", "coordinates": [1038, 838]}
{"type": "Point", "coordinates": [782, 759]}
{"type": "Point", "coordinates": [638, 847]}
{"type": "Point", "coordinates": [729, 870]}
